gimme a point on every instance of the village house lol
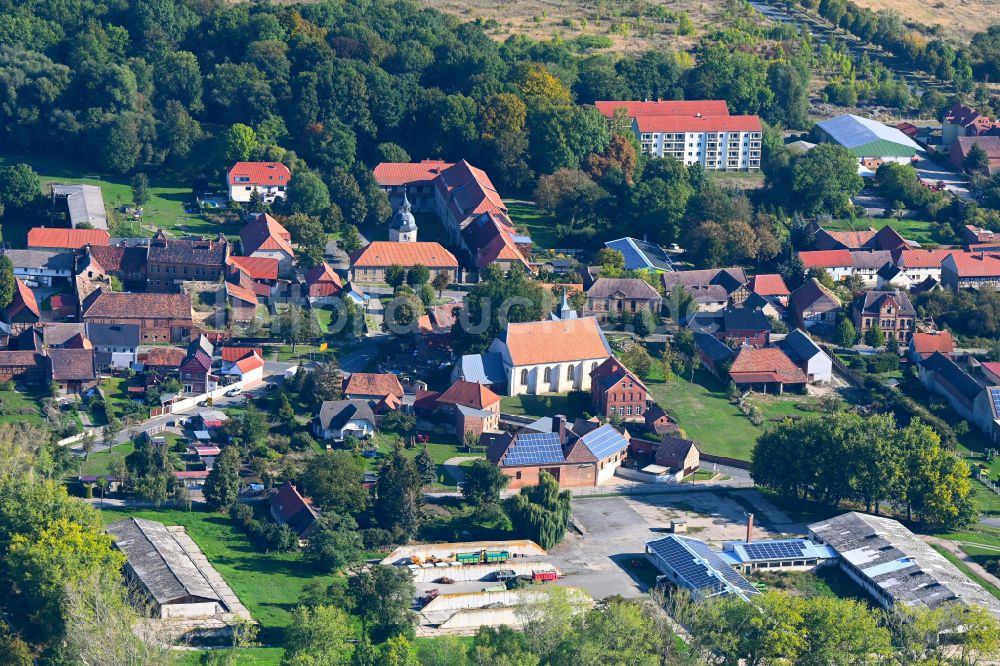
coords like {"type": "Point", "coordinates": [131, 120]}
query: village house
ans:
{"type": "Point", "coordinates": [694, 131]}
{"type": "Point", "coordinates": [575, 459]}
{"type": "Point", "coordinates": [766, 370]}
{"type": "Point", "coordinates": [680, 456]}
{"type": "Point", "coordinates": [919, 265]}
{"type": "Point", "coordinates": [163, 361]}
{"type": "Point", "coordinates": [471, 408]}
{"type": "Point", "coordinates": [323, 285]}
{"type": "Point", "coordinates": [370, 263]}
{"type": "Point", "coordinates": [196, 368]}
{"type": "Point", "coordinates": [41, 268]}
{"type": "Point", "coordinates": [24, 367]}
{"type": "Point", "coordinates": [714, 353]}
{"type": "Point", "coordinates": [414, 179]}
{"type": "Point", "coordinates": [170, 262]}
{"type": "Point", "coordinates": [55, 239]}
{"type": "Point", "coordinates": [248, 369]}
{"type": "Point", "coordinates": [712, 289]}
{"type": "Point", "coordinates": [115, 345]}
{"type": "Point", "coordinates": [641, 255]}
{"type": "Point", "coordinates": [374, 388]}
{"type": "Point", "coordinates": [922, 345]}
{"type": "Point", "coordinates": [961, 270]}
{"type": "Point", "coordinates": [617, 391]}
{"type": "Point", "coordinates": [269, 179]}
{"type": "Point", "coordinates": [886, 238]}
{"type": "Point", "coordinates": [891, 277]}
{"type": "Point", "coordinates": [807, 355]}
{"type": "Point", "coordinates": [23, 311]}
{"type": "Point", "coordinates": [889, 310]}
{"type": "Point", "coordinates": [973, 235]}
{"type": "Point", "coordinates": [242, 296]}
{"type": "Point", "coordinates": [837, 263]}
{"type": "Point", "coordinates": [974, 402]}
{"type": "Point", "coordinates": [73, 370]}
{"type": "Point", "coordinates": [960, 150]}
{"type": "Point", "coordinates": [338, 419]}
{"type": "Point", "coordinates": [771, 287]}
{"type": "Point", "coordinates": [289, 507]}
{"type": "Point", "coordinates": [962, 121]}
{"type": "Point", "coordinates": [620, 297]}
{"type": "Point", "coordinates": [262, 270]}
{"type": "Point", "coordinates": [125, 262]}
{"type": "Point", "coordinates": [77, 205]}
{"type": "Point", "coordinates": [551, 356]}
{"type": "Point", "coordinates": [160, 317]}
{"type": "Point", "coordinates": [814, 306]}
{"type": "Point", "coordinates": [265, 237]}
{"type": "Point", "coordinates": [490, 239]}
{"type": "Point", "coordinates": [658, 422]}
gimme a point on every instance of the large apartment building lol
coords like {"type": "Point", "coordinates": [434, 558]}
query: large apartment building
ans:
{"type": "Point", "coordinates": [694, 132]}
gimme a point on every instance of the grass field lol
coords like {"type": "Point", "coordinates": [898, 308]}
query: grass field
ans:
{"type": "Point", "coordinates": [20, 407]}
{"type": "Point", "coordinates": [958, 19]}
{"type": "Point", "coordinates": [540, 226]}
{"type": "Point", "coordinates": [264, 656]}
{"type": "Point", "coordinates": [268, 584]}
{"type": "Point", "coordinates": [441, 447]}
{"type": "Point", "coordinates": [99, 463]}
{"type": "Point", "coordinates": [571, 405]}
{"type": "Point", "coordinates": [165, 207]}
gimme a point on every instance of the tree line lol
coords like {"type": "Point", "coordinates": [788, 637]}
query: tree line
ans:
{"type": "Point", "coordinates": [868, 461]}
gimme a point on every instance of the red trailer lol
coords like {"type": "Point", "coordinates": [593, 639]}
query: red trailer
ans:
{"type": "Point", "coordinates": [545, 575]}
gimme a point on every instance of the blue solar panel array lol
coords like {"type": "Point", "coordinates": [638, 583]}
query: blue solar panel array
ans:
{"type": "Point", "coordinates": [640, 254]}
{"type": "Point", "coordinates": [688, 567]}
{"type": "Point", "coordinates": [604, 441]}
{"type": "Point", "coordinates": [716, 562]}
{"type": "Point", "coordinates": [542, 448]}
{"type": "Point", "coordinates": [774, 550]}
{"type": "Point", "coordinates": [995, 396]}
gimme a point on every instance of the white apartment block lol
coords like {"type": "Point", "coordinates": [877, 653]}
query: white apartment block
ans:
{"type": "Point", "coordinates": [719, 143]}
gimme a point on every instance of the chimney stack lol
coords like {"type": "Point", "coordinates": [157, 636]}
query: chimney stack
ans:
{"type": "Point", "coordinates": [559, 426]}
{"type": "Point", "coordinates": [749, 527]}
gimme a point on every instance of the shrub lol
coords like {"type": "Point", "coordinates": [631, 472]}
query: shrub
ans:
{"type": "Point", "coordinates": [374, 538]}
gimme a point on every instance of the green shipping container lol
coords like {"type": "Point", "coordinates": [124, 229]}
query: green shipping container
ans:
{"type": "Point", "coordinates": [497, 556]}
{"type": "Point", "coordinates": [469, 558]}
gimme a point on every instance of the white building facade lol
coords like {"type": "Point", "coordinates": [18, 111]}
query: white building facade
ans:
{"type": "Point", "coordinates": [714, 147]}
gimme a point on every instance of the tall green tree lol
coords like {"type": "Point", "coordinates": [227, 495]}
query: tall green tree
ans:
{"type": "Point", "coordinates": [19, 186]}
{"type": "Point", "coordinates": [140, 189]}
{"type": "Point", "coordinates": [483, 483]}
{"type": "Point", "coordinates": [237, 143]}
{"type": "Point", "coordinates": [824, 179]}
{"type": "Point", "coordinates": [334, 480]}
{"type": "Point", "coordinates": [398, 497]}
{"type": "Point", "coordinates": [318, 636]}
{"type": "Point", "coordinates": [382, 597]}
{"type": "Point", "coordinates": [540, 512]}
{"type": "Point", "coordinates": [222, 487]}
{"type": "Point", "coordinates": [7, 286]}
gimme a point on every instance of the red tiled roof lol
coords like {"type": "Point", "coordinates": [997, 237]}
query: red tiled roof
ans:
{"type": "Point", "coordinates": [706, 107]}
{"type": "Point", "coordinates": [323, 281]}
{"type": "Point", "coordinates": [921, 258]}
{"type": "Point", "coordinates": [754, 361]}
{"type": "Point", "coordinates": [197, 474]}
{"type": "Point", "coordinates": [468, 191]}
{"type": "Point", "coordinates": [851, 240]}
{"type": "Point", "coordinates": [698, 123]}
{"type": "Point", "coordinates": [249, 363]}
{"type": "Point", "coordinates": [768, 284]}
{"type": "Point", "coordinates": [67, 238]}
{"type": "Point", "coordinates": [973, 265]}
{"type": "Point", "coordinates": [258, 268]}
{"type": "Point", "coordinates": [536, 342]}
{"type": "Point", "coordinates": [389, 174]}
{"type": "Point", "coordinates": [24, 299]}
{"type": "Point", "coordinates": [380, 254]}
{"type": "Point", "coordinates": [928, 343]}
{"type": "Point", "coordinates": [367, 383]}
{"type": "Point", "coordinates": [126, 305]}
{"type": "Point", "coordinates": [265, 233]}
{"type": "Point", "coordinates": [470, 394]}
{"type": "Point", "coordinates": [241, 293]}
{"type": "Point", "coordinates": [826, 258]}
{"type": "Point", "coordinates": [170, 357]}
{"type": "Point", "coordinates": [273, 174]}
{"type": "Point", "coordinates": [233, 354]}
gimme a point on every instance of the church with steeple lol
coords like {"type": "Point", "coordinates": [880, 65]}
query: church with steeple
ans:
{"type": "Point", "coordinates": [403, 228]}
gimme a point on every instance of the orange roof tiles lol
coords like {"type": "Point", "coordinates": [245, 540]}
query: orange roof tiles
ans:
{"type": "Point", "coordinates": [258, 268]}
{"type": "Point", "coordinates": [826, 258]}
{"type": "Point", "coordinates": [265, 233]}
{"type": "Point", "coordinates": [249, 363]}
{"type": "Point", "coordinates": [233, 354]}
{"type": "Point", "coordinates": [973, 265]}
{"type": "Point", "coordinates": [367, 383]}
{"type": "Point", "coordinates": [768, 284]}
{"type": "Point", "coordinates": [706, 107]}
{"type": "Point", "coordinates": [273, 174]}
{"type": "Point", "coordinates": [24, 299]}
{"type": "Point", "coordinates": [470, 394]}
{"type": "Point", "coordinates": [698, 123]}
{"type": "Point", "coordinates": [851, 239]}
{"type": "Point", "coordinates": [380, 254]}
{"type": "Point", "coordinates": [468, 191]}
{"type": "Point", "coordinates": [928, 343]}
{"type": "Point", "coordinates": [67, 238]}
{"type": "Point", "coordinates": [767, 361]}
{"type": "Point", "coordinates": [922, 258]}
{"type": "Point", "coordinates": [390, 174]}
{"type": "Point", "coordinates": [323, 281]}
{"type": "Point", "coordinates": [537, 342]}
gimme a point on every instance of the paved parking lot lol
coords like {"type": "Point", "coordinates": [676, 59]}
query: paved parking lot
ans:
{"type": "Point", "coordinates": [613, 531]}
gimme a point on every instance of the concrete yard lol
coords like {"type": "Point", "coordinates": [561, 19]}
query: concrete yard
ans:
{"type": "Point", "coordinates": [615, 529]}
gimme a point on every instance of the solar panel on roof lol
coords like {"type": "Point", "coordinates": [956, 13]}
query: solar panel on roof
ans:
{"type": "Point", "coordinates": [713, 559]}
{"type": "Point", "coordinates": [536, 449]}
{"type": "Point", "coordinates": [604, 441]}
{"type": "Point", "coordinates": [775, 550]}
{"type": "Point", "coordinates": [685, 564]}
{"type": "Point", "coordinates": [995, 396]}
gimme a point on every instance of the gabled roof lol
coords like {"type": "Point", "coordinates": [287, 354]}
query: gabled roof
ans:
{"type": "Point", "coordinates": [536, 342]}
{"type": "Point", "coordinates": [468, 191]}
{"type": "Point", "coordinates": [712, 347]}
{"type": "Point", "coordinates": [855, 132]}
{"type": "Point", "coordinates": [119, 258]}
{"type": "Point", "coordinates": [367, 383]}
{"type": "Point", "coordinates": [168, 357]}
{"type": "Point", "coordinates": [800, 347]}
{"type": "Point", "coordinates": [249, 363]}
{"type": "Point", "coordinates": [707, 285]}
{"type": "Point", "coordinates": [752, 364]}
{"type": "Point", "coordinates": [67, 238]}
{"type": "Point", "coordinates": [335, 414]}
{"type": "Point", "coordinates": [24, 301]}
{"type": "Point", "coordinates": [269, 174]}
{"type": "Point", "coordinates": [482, 368]}
{"type": "Point", "coordinates": [989, 144]}
{"type": "Point", "coordinates": [57, 334]}
{"type": "Point", "coordinates": [972, 265]}
{"type": "Point", "coordinates": [84, 203]}
{"type": "Point", "coordinates": [920, 258]}
{"type": "Point", "coordinates": [72, 364]}
{"type": "Point", "coordinates": [610, 372]}
{"type": "Point", "coordinates": [632, 288]}
{"type": "Point", "coordinates": [209, 252]}
{"type": "Point", "coordinates": [381, 254]}
{"type": "Point", "coordinates": [258, 268]}
{"type": "Point", "coordinates": [928, 343]}
{"type": "Point", "coordinates": [469, 394]}
{"type": "Point", "coordinates": [290, 508]}
{"type": "Point", "coordinates": [870, 259]}
{"type": "Point", "coordinates": [265, 233]}
{"type": "Point", "coordinates": [641, 254]}
{"type": "Point", "coordinates": [827, 239]}
{"type": "Point", "coordinates": [745, 319]}
{"type": "Point", "coordinates": [704, 107]}
{"type": "Point", "coordinates": [394, 174]}
{"type": "Point", "coordinates": [871, 302]}
{"type": "Point", "coordinates": [958, 381]}
{"type": "Point", "coordinates": [768, 284]}
{"type": "Point", "coordinates": [810, 293]}
{"type": "Point", "coordinates": [241, 293]}
{"type": "Point", "coordinates": [322, 280]}
{"type": "Point", "coordinates": [826, 259]}
{"type": "Point", "coordinates": [47, 260]}
{"type": "Point", "coordinates": [673, 450]}
{"type": "Point", "coordinates": [491, 238]}
{"type": "Point", "coordinates": [126, 305]}
{"type": "Point", "coordinates": [160, 562]}
{"type": "Point", "coordinates": [233, 354]}
{"type": "Point", "coordinates": [698, 123]}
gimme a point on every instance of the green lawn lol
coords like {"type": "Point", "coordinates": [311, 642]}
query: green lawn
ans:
{"type": "Point", "coordinates": [269, 585]}
{"type": "Point", "coordinates": [264, 656]}
{"type": "Point", "coordinates": [99, 463]}
{"type": "Point", "coordinates": [911, 229]}
{"type": "Point", "coordinates": [165, 207]}
{"type": "Point", "coordinates": [829, 582]}
{"type": "Point", "coordinates": [441, 447]}
{"type": "Point", "coordinates": [571, 405]}
{"type": "Point", "coordinates": [20, 407]}
{"type": "Point", "coordinates": [539, 225]}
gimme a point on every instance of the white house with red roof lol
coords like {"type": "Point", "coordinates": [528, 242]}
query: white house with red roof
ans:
{"type": "Point", "coordinates": [970, 270]}
{"type": "Point", "coordinates": [415, 179]}
{"type": "Point", "coordinates": [248, 368]}
{"type": "Point", "coordinates": [270, 179]}
{"type": "Point", "coordinates": [265, 237]}
{"type": "Point", "coordinates": [694, 131]}
{"type": "Point", "coordinates": [323, 285]}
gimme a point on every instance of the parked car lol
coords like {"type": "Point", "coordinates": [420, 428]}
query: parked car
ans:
{"type": "Point", "coordinates": [234, 391]}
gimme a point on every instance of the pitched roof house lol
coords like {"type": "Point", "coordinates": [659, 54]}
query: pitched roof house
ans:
{"type": "Point", "coordinates": [370, 263]}
{"type": "Point", "coordinates": [771, 286]}
{"type": "Point", "coordinates": [372, 387]}
{"type": "Point", "coordinates": [269, 179]}
{"type": "Point", "coordinates": [323, 283]}
{"type": "Point", "coordinates": [766, 370]}
{"type": "Point", "coordinates": [616, 297]}
{"type": "Point", "coordinates": [962, 270]}
{"type": "Point", "coordinates": [73, 369]}
{"type": "Point", "coordinates": [339, 418]}
{"type": "Point", "coordinates": [265, 237]}
{"type": "Point", "coordinates": [889, 310]}
{"type": "Point", "coordinates": [289, 507]}
{"type": "Point", "coordinates": [23, 310]}
{"type": "Point", "coordinates": [160, 317]}
{"type": "Point", "coordinates": [264, 269]}
{"type": "Point", "coordinates": [43, 238]}
{"type": "Point", "coordinates": [472, 407]}
{"type": "Point", "coordinates": [173, 261]}
{"type": "Point", "coordinates": [678, 455]}
{"type": "Point", "coordinates": [616, 390]}
{"type": "Point", "coordinates": [813, 305]}
{"type": "Point", "coordinates": [711, 288]}
{"type": "Point", "coordinates": [923, 345]}
{"type": "Point", "coordinates": [963, 146]}
{"type": "Point", "coordinates": [806, 354]}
